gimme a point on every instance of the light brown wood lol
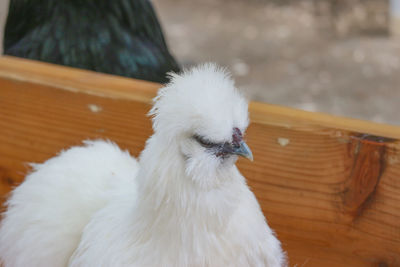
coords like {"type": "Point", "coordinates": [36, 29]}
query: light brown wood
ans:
{"type": "Point", "coordinates": [76, 80]}
{"type": "Point", "coordinates": [331, 193]}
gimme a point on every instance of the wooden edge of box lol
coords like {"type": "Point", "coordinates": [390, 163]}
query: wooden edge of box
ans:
{"type": "Point", "coordinates": [111, 86]}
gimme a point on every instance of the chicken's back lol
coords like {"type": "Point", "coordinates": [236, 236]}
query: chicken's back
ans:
{"type": "Point", "coordinates": [48, 211]}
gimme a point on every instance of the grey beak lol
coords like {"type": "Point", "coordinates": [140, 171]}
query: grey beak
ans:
{"type": "Point", "coordinates": [244, 151]}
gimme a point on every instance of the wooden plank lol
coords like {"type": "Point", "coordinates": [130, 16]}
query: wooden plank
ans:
{"type": "Point", "coordinates": [76, 80]}
{"type": "Point", "coordinates": [121, 88]}
{"type": "Point", "coordinates": [331, 193]}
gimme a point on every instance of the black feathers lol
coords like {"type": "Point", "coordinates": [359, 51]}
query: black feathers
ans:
{"type": "Point", "coordinates": [121, 37]}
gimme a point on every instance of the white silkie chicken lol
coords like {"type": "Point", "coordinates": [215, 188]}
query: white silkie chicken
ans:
{"type": "Point", "coordinates": [184, 204]}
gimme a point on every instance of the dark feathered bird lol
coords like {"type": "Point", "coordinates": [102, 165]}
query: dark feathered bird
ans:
{"type": "Point", "coordinates": [121, 37]}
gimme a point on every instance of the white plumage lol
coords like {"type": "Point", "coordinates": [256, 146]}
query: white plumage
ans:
{"type": "Point", "coordinates": [184, 204]}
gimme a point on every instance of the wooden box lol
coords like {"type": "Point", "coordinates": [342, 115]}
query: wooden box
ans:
{"type": "Point", "coordinates": [329, 186]}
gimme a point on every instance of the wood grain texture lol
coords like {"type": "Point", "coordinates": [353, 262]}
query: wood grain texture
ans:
{"type": "Point", "coordinates": [331, 192]}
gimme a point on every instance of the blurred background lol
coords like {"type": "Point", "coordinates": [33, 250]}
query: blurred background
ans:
{"type": "Point", "coordinates": [335, 56]}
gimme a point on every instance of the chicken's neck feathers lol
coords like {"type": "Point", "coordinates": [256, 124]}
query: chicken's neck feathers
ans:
{"type": "Point", "coordinates": [165, 188]}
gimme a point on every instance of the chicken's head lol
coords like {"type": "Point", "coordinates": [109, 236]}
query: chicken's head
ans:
{"type": "Point", "coordinates": [203, 114]}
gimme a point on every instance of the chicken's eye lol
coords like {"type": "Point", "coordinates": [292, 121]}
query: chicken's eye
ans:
{"type": "Point", "coordinates": [204, 142]}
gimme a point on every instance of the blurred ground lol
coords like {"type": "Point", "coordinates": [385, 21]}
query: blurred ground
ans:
{"type": "Point", "coordinates": [3, 16]}
{"type": "Point", "coordinates": [305, 54]}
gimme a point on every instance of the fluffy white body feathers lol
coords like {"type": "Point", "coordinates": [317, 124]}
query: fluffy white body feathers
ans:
{"type": "Point", "coordinates": [186, 205]}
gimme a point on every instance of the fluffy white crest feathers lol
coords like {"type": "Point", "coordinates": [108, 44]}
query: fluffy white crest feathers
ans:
{"type": "Point", "coordinates": [202, 100]}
